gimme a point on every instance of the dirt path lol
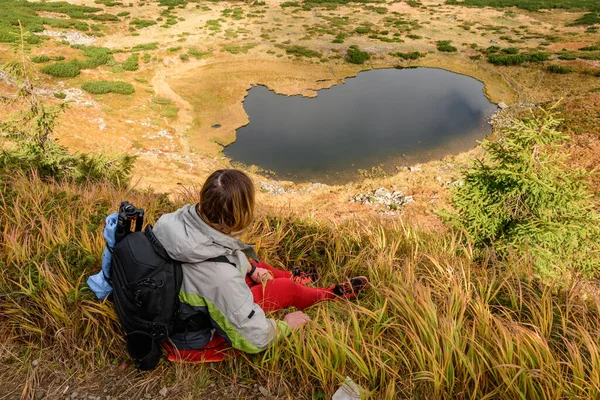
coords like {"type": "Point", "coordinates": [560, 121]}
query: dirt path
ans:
{"type": "Point", "coordinates": [185, 116]}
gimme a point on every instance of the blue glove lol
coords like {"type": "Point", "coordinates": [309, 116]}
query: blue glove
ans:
{"type": "Point", "coordinates": [98, 283]}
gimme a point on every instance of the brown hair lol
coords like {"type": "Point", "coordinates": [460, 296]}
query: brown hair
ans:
{"type": "Point", "coordinates": [227, 201]}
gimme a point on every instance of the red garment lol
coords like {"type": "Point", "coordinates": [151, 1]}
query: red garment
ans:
{"type": "Point", "coordinates": [216, 350]}
{"type": "Point", "coordinates": [276, 294]}
{"type": "Point", "coordinates": [281, 292]}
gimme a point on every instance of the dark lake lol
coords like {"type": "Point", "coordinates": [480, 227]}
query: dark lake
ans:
{"type": "Point", "coordinates": [385, 118]}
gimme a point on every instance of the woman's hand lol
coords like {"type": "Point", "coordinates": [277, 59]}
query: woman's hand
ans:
{"type": "Point", "coordinates": [296, 319]}
{"type": "Point", "coordinates": [261, 275]}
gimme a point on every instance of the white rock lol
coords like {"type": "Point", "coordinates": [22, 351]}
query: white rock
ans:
{"type": "Point", "coordinates": [163, 392]}
{"type": "Point", "coordinates": [348, 391]}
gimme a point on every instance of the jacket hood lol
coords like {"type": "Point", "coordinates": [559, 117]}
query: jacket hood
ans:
{"type": "Point", "coordinates": [187, 238]}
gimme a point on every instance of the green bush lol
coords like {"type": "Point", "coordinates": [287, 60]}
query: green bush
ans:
{"type": "Point", "coordinates": [588, 19]}
{"type": "Point", "coordinates": [131, 63]}
{"type": "Point", "coordinates": [559, 69]}
{"type": "Point", "coordinates": [235, 49]}
{"type": "Point", "coordinates": [60, 95]}
{"type": "Point", "coordinates": [62, 69]}
{"type": "Point", "coordinates": [444, 46]}
{"type": "Point", "coordinates": [142, 23]}
{"type": "Point", "coordinates": [145, 46]}
{"type": "Point", "coordinates": [103, 87]}
{"type": "Point", "coordinates": [510, 50]}
{"type": "Point", "coordinates": [517, 59]}
{"type": "Point", "coordinates": [355, 56]}
{"type": "Point", "coordinates": [94, 56]}
{"type": "Point", "coordinates": [40, 59]}
{"type": "Point", "coordinates": [530, 5]}
{"type": "Point", "coordinates": [408, 56]}
{"type": "Point", "coordinates": [198, 54]}
{"type": "Point", "coordinates": [492, 50]}
{"type": "Point", "coordinates": [520, 198]}
{"type": "Point", "coordinates": [301, 51]}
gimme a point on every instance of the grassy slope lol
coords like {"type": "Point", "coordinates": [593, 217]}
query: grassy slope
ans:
{"type": "Point", "coordinates": [438, 324]}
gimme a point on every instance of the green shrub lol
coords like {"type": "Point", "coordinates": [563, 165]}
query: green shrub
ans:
{"type": "Point", "coordinates": [590, 48]}
{"type": "Point", "coordinates": [408, 56]}
{"type": "Point", "coordinates": [131, 63]}
{"type": "Point", "coordinates": [587, 19]}
{"type": "Point", "coordinates": [142, 23]}
{"type": "Point", "coordinates": [517, 59]}
{"type": "Point", "coordinates": [355, 56]}
{"type": "Point", "coordinates": [60, 95]}
{"type": "Point", "coordinates": [301, 51]}
{"type": "Point", "coordinates": [362, 30]}
{"type": "Point", "coordinates": [95, 56]}
{"type": "Point", "coordinates": [444, 46]}
{"type": "Point", "coordinates": [559, 69]}
{"type": "Point", "coordinates": [520, 197]}
{"type": "Point", "coordinates": [235, 49]}
{"type": "Point", "coordinates": [40, 59]}
{"type": "Point", "coordinates": [62, 69]}
{"type": "Point", "coordinates": [145, 46]}
{"type": "Point", "coordinates": [510, 50]}
{"type": "Point", "coordinates": [198, 54]}
{"type": "Point", "coordinates": [184, 57]}
{"type": "Point", "coordinates": [567, 56]}
{"type": "Point", "coordinates": [103, 87]}
{"type": "Point", "coordinates": [530, 5]}
{"type": "Point", "coordinates": [290, 4]}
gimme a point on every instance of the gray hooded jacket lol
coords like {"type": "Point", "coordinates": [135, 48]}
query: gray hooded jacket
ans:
{"type": "Point", "coordinates": [215, 288]}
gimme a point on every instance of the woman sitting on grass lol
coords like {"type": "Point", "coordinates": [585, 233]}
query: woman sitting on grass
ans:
{"type": "Point", "coordinates": [226, 290]}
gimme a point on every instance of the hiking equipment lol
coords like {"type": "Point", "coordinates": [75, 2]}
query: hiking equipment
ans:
{"type": "Point", "coordinates": [146, 283]}
{"type": "Point", "coordinates": [351, 289]}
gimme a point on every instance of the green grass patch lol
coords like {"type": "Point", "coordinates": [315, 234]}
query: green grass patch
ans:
{"type": "Point", "coordinates": [145, 46]}
{"type": "Point", "coordinates": [198, 54]}
{"type": "Point", "coordinates": [517, 59]}
{"type": "Point", "coordinates": [40, 59]}
{"type": "Point", "coordinates": [530, 5]}
{"type": "Point", "coordinates": [237, 49]}
{"type": "Point", "coordinates": [445, 46]}
{"type": "Point", "coordinates": [415, 55]}
{"type": "Point", "coordinates": [356, 56]}
{"type": "Point", "coordinates": [103, 87]}
{"type": "Point", "coordinates": [301, 51]}
{"type": "Point", "coordinates": [62, 69]}
{"type": "Point", "coordinates": [142, 23]}
{"type": "Point", "coordinates": [28, 14]}
{"type": "Point", "coordinates": [587, 19]}
{"type": "Point", "coordinates": [559, 69]}
{"type": "Point", "coordinates": [132, 63]}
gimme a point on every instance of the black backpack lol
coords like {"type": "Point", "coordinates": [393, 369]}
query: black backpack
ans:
{"type": "Point", "coordinates": [146, 284]}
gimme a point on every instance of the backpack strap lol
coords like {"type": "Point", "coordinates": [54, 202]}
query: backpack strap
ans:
{"type": "Point", "coordinates": [160, 250]}
{"type": "Point", "coordinates": [163, 253]}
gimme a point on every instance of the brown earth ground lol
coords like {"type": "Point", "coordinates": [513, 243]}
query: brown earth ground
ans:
{"type": "Point", "coordinates": [183, 149]}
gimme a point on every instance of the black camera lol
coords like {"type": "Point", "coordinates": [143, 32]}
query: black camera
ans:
{"type": "Point", "coordinates": [128, 213]}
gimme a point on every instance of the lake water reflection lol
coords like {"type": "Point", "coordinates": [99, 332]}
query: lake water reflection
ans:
{"type": "Point", "coordinates": [381, 118]}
